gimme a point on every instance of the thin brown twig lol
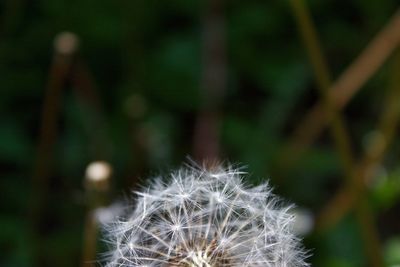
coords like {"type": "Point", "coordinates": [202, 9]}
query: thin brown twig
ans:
{"type": "Point", "coordinates": [346, 198]}
{"type": "Point", "coordinates": [373, 246]}
{"type": "Point", "coordinates": [337, 125]}
{"type": "Point", "coordinates": [88, 96]}
{"type": "Point", "coordinates": [43, 165]}
{"type": "Point", "coordinates": [341, 92]}
{"type": "Point", "coordinates": [321, 71]}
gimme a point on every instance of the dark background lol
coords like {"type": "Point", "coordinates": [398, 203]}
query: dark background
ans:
{"type": "Point", "coordinates": [152, 82]}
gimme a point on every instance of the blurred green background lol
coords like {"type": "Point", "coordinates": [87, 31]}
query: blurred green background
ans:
{"type": "Point", "coordinates": [144, 84]}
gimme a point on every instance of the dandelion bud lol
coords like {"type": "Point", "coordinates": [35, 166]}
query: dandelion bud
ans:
{"type": "Point", "coordinates": [203, 218]}
{"type": "Point", "coordinates": [66, 43]}
{"type": "Point", "coordinates": [98, 174]}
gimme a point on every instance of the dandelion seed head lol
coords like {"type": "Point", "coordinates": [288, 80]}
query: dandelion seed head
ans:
{"type": "Point", "coordinates": [204, 218]}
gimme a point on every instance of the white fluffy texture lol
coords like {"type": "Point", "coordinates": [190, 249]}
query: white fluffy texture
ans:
{"type": "Point", "coordinates": [205, 218]}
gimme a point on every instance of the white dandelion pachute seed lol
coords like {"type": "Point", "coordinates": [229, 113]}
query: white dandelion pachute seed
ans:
{"type": "Point", "coordinates": [205, 218]}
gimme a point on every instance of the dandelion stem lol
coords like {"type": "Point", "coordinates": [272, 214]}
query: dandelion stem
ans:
{"type": "Point", "coordinates": [213, 82]}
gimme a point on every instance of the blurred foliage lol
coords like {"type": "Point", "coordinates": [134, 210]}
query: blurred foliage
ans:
{"type": "Point", "coordinates": [145, 58]}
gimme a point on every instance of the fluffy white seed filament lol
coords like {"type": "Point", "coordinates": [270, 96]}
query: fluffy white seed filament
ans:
{"type": "Point", "coordinates": [203, 218]}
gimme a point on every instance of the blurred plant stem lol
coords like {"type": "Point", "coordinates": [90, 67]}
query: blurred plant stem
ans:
{"type": "Point", "coordinates": [43, 166]}
{"type": "Point", "coordinates": [64, 66]}
{"type": "Point", "coordinates": [338, 128]}
{"type": "Point", "coordinates": [342, 90]}
{"type": "Point", "coordinates": [97, 185]}
{"type": "Point", "coordinates": [213, 82]}
{"type": "Point", "coordinates": [90, 239]}
{"type": "Point", "coordinates": [92, 109]}
{"type": "Point", "coordinates": [136, 14]}
{"type": "Point", "coordinates": [377, 147]}
{"type": "Point", "coordinates": [320, 67]}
